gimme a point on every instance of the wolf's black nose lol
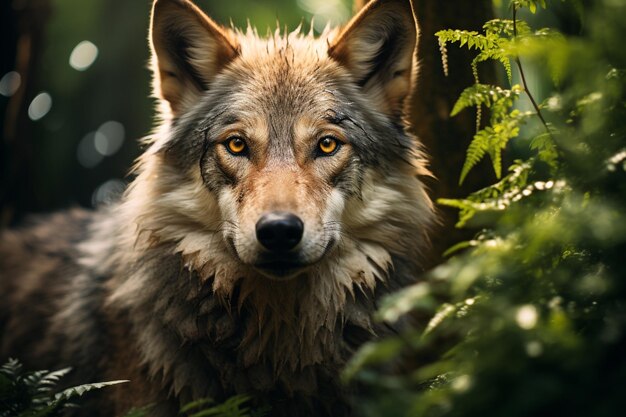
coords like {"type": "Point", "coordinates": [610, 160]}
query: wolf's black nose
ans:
{"type": "Point", "coordinates": [279, 231]}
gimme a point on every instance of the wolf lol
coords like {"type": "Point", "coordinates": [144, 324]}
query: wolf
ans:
{"type": "Point", "coordinates": [279, 197]}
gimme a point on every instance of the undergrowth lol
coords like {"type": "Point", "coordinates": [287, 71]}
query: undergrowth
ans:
{"type": "Point", "coordinates": [34, 393]}
{"type": "Point", "coordinates": [529, 317]}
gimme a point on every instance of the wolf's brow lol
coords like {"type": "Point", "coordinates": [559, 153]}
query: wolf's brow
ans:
{"type": "Point", "coordinates": [231, 120]}
{"type": "Point", "coordinates": [213, 118]}
{"type": "Point", "coordinates": [334, 117]}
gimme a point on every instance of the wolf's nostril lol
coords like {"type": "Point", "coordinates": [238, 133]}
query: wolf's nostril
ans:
{"type": "Point", "coordinates": [279, 231]}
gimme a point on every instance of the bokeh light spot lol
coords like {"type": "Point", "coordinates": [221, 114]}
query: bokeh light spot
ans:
{"type": "Point", "coordinates": [40, 106]}
{"type": "Point", "coordinates": [325, 11]}
{"type": "Point", "coordinates": [86, 153]}
{"type": "Point", "coordinates": [9, 83]}
{"type": "Point", "coordinates": [83, 55]}
{"type": "Point", "coordinates": [534, 348]}
{"type": "Point", "coordinates": [109, 138]}
{"type": "Point", "coordinates": [462, 383]}
{"type": "Point", "coordinates": [526, 317]}
{"type": "Point", "coordinates": [108, 192]}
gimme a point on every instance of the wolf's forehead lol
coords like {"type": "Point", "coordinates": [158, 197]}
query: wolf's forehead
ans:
{"type": "Point", "coordinates": [280, 67]}
{"type": "Point", "coordinates": [296, 45]}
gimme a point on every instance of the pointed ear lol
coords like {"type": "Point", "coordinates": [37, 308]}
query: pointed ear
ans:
{"type": "Point", "coordinates": [188, 50]}
{"type": "Point", "coordinates": [378, 48]}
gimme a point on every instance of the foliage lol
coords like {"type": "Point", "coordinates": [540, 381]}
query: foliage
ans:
{"type": "Point", "coordinates": [501, 41]}
{"type": "Point", "coordinates": [235, 406]}
{"type": "Point", "coordinates": [34, 394]}
{"type": "Point", "coordinates": [31, 394]}
{"type": "Point", "coordinates": [528, 318]}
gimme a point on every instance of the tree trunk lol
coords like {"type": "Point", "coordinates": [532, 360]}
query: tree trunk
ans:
{"type": "Point", "coordinates": [446, 139]}
{"type": "Point", "coordinates": [23, 27]}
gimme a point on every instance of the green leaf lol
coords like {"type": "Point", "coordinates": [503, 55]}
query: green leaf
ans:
{"type": "Point", "coordinates": [475, 152]}
{"type": "Point", "coordinates": [197, 404]}
{"type": "Point", "coordinates": [444, 312]}
{"type": "Point", "coordinates": [546, 149]}
{"type": "Point", "coordinates": [417, 296]}
{"type": "Point", "coordinates": [80, 390]}
{"type": "Point", "coordinates": [372, 353]}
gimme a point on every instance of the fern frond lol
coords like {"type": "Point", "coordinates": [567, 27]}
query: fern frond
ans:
{"type": "Point", "coordinates": [493, 44]}
{"type": "Point", "coordinates": [444, 56]}
{"type": "Point", "coordinates": [473, 39]}
{"type": "Point", "coordinates": [139, 412]}
{"type": "Point", "coordinates": [487, 95]}
{"type": "Point", "coordinates": [546, 149]}
{"type": "Point", "coordinates": [47, 383]}
{"type": "Point", "coordinates": [497, 197]}
{"type": "Point", "coordinates": [80, 390]}
{"type": "Point", "coordinates": [506, 63]}
{"type": "Point", "coordinates": [493, 140]}
{"type": "Point", "coordinates": [233, 407]}
{"type": "Point", "coordinates": [505, 27]}
{"type": "Point", "coordinates": [28, 394]}
{"type": "Point", "coordinates": [196, 404]}
{"type": "Point", "coordinates": [12, 368]}
{"type": "Point", "coordinates": [475, 152]}
{"type": "Point", "coordinates": [33, 380]}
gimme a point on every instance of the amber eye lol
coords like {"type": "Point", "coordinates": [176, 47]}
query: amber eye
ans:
{"type": "Point", "coordinates": [236, 146]}
{"type": "Point", "coordinates": [327, 145]}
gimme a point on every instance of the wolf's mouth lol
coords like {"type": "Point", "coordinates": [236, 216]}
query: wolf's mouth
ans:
{"type": "Point", "coordinates": [280, 269]}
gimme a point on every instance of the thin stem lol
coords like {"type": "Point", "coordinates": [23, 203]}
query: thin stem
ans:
{"type": "Point", "coordinates": [521, 71]}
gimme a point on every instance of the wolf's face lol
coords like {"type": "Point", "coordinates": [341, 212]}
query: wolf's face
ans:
{"type": "Point", "coordinates": [277, 159]}
{"type": "Point", "coordinates": [291, 148]}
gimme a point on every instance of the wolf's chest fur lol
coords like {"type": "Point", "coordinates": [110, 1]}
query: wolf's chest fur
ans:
{"type": "Point", "coordinates": [278, 198]}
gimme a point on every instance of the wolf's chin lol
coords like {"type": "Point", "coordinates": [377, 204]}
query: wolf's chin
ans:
{"type": "Point", "coordinates": [281, 271]}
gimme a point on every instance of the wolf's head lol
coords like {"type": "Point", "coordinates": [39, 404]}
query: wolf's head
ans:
{"type": "Point", "coordinates": [287, 155]}
{"type": "Point", "coordinates": [282, 174]}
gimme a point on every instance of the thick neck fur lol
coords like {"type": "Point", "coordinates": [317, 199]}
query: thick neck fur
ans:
{"type": "Point", "coordinates": [171, 261]}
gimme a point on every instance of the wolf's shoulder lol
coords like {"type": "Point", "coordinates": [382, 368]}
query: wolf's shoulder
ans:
{"type": "Point", "coordinates": [43, 240]}
{"type": "Point", "coordinates": [50, 229]}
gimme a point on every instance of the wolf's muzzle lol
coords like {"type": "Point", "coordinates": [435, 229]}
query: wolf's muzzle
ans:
{"type": "Point", "coordinates": [279, 231]}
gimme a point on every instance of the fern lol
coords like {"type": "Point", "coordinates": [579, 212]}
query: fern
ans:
{"type": "Point", "coordinates": [546, 149]}
{"type": "Point", "coordinates": [80, 390]}
{"type": "Point", "coordinates": [504, 125]}
{"type": "Point", "coordinates": [499, 99]}
{"type": "Point", "coordinates": [30, 394]}
{"type": "Point", "coordinates": [493, 44]}
{"type": "Point", "coordinates": [501, 41]}
{"type": "Point", "coordinates": [506, 27]}
{"type": "Point", "coordinates": [233, 407]}
{"type": "Point", "coordinates": [497, 197]}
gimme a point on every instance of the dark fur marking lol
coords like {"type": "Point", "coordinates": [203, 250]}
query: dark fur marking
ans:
{"type": "Point", "coordinates": [178, 46]}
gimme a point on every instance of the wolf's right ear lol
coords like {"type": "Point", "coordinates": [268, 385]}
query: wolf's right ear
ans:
{"type": "Point", "coordinates": [188, 50]}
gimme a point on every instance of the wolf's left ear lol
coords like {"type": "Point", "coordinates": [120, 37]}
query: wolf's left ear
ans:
{"type": "Point", "coordinates": [378, 48]}
{"type": "Point", "coordinates": [188, 50]}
